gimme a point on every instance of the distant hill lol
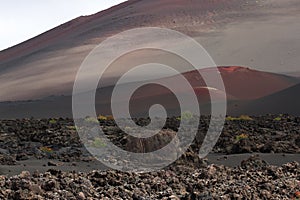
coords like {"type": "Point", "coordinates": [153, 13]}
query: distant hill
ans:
{"type": "Point", "coordinates": [284, 102]}
{"type": "Point", "coordinates": [46, 65]}
{"type": "Point", "coordinates": [241, 84]}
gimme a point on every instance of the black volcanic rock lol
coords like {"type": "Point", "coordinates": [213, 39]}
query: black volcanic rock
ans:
{"type": "Point", "coordinates": [188, 178]}
{"type": "Point", "coordinates": [255, 180]}
{"type": "Point", "coordinates": [59, 139]}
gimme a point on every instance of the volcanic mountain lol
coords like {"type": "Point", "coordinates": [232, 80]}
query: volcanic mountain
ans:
{"type": "Point", "coordinates": [282, 102]}
{"type": "Point", "coordinates": [241, 84]}
{"type": "Point", "coordinates": [45, 66]}
{"type": "Point", "coordinates": [247, 84]}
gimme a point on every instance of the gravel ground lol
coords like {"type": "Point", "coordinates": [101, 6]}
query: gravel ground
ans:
{"type": "Point", "coordinates": [67, 170]}
{"type": "Point", "coordinates": [58, 138]}
{"type": "Point", "coordinates": [253, 180]}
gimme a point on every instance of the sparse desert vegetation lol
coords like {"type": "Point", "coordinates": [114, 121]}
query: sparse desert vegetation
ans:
{"type": "Point", "coordinates": [253, 52]}
{"type": "Point", "coordinates": [57, 145]}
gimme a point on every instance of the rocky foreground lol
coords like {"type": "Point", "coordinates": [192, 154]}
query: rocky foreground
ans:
{"type": "Point", "coordinates": [58, 139]}
{"type": "Point", "coordinates": [253, 180]}
{"type": "Point", "coordinates": [188, 178]}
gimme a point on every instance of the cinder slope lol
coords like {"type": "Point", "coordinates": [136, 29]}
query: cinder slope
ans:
{"type": "Point", "coordinates": [285, 101]}
{"type": "Point", "coordinates": [47, 64]}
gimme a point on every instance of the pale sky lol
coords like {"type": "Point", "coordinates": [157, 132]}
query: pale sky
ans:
{"type": "Point", "coordinates": [23, 19]}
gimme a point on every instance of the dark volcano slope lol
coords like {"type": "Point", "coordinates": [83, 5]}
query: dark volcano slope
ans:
{"type": "Point", "coordinates": [285, 101]}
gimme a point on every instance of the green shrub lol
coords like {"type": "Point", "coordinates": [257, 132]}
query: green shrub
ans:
{"type": "Point", "coordinates": [46, 149]}
{"type": "Point", "coordinates": [187, 115]}
{"type": "Point", "coordinates": [98, 143]}
{"type": "Point", "coordinates": [245, 117]}
{"type": "Point", "coordinates": [242, 117]}
{"type": "Point", "coordinates": [91, 120]}
{"type": "Point", "coordinates": [71, 127]}
{"type": "Point", "coordinates": [52, 121]}
{"type": "Point", "coordinates": [241, 137]}
{"type": "Point", "coordinates": [229, 118]}
{"type": "Point", "coordinates": [102, 117]}
{"type": "Point", "coordinates": [277, 119]}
